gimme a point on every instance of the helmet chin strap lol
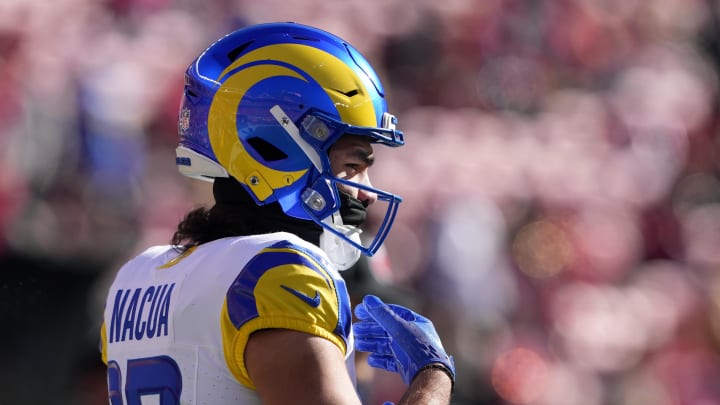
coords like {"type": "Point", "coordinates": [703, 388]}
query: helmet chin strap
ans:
{"type": "Point", "coordinates": [341, 253]}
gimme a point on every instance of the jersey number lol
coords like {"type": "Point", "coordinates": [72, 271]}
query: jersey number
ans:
{"type": "Point", "coordinates": [158, 377]}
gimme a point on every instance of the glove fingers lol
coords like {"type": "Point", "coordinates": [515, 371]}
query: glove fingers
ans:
{"type": "Point", "coordinates": [361, 312]}
{"type": "Point", "coordinates": [385, 315]}
{"type": "Point", "coordinates": [380, 346]}
{"type": "Point", "coordinates": [383, 362]}
{"type": "Point", "coordinates": [379, 311]}
{"type": "Point", "coordinates": [393, 318]}
{"type": "Point", "coordinates": [368, 329]}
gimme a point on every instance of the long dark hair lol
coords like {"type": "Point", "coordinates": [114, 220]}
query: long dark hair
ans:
{"type": "Point", "coordinates": [235, 213]}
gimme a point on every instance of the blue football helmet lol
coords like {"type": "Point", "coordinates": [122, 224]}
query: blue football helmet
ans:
{"type": "Point", "coordinates": [265, 103]}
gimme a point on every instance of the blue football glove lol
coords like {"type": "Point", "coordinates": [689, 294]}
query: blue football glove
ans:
{"type": "Point", "coordinates": [398, 339]}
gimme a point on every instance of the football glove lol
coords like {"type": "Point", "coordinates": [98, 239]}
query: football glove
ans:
{"type": "Point", "coordinates": [398, 339]}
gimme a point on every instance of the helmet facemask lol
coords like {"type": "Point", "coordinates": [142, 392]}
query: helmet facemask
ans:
{"type": "Point", "coordinates": [321, 200]}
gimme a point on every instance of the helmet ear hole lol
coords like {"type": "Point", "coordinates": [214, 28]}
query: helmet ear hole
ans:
{"type": "Point", "coordinates": [266, 150]}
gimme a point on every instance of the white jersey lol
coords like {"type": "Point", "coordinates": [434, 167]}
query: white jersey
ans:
{"type": "Point", "coordinates": [176, 325]}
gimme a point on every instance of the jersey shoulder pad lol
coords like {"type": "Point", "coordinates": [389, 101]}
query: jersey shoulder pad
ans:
{"type": "Point", "coordinates": [286, 286]}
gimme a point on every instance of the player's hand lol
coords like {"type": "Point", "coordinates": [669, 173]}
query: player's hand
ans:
{"type": "Point", "coordinates": [398, 339]}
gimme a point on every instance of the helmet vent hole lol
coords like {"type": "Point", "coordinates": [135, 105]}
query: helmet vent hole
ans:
{"type": "Point", "coordinates": [266, 150]}
{"type": "Point", "coordinates": [302, 38]}
{"type": "Point", "coordinates": [235, 53]}
{"type": "Point", "coordinates": [349, 93]}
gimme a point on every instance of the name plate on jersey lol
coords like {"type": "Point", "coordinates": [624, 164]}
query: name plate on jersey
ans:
{"type": "Point", "coordinates": [140, 313]}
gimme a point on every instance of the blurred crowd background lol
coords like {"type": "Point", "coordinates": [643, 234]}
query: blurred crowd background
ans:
{"type": "Point", "coordinates": [561, 222]}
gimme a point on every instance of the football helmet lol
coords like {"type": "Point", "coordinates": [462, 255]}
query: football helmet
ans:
{"type": "Point", "coordinates": [265, 103]}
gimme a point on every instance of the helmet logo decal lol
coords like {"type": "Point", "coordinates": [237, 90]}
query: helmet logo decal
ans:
{"type": "Point", "coordinates": [342, 85]}
{"type": "Point", "coordinates": [184, 121]}
{"type": "Point", "coordinates": [222, 131]}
